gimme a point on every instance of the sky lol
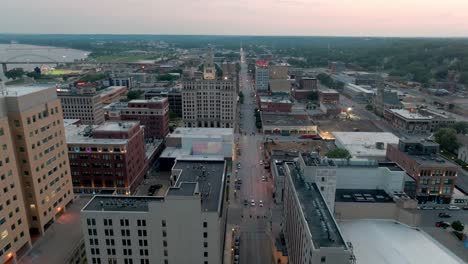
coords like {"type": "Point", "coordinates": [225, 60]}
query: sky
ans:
{"type": "Point", "coordinates": [419, 18]}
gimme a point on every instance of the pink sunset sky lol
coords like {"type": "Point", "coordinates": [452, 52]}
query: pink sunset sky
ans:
{"type": "Point", "coordinates": [238, 17]}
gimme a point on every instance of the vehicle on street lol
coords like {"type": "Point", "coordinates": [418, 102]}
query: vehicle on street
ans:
{"type": "Point", "coordinates": [246, 202]}
{"type": "Point", "coordinates": [465, 208]}
{"type": "Point", "coordinates": [252, 203]}
{"type": "Point", "coordinates": [444, 215]}
{"type": "Point", "coordinates": [427, 207]}
{"type": "Point", "coordinates": [442, 224]}
{"type": "Point", "coordinates": [261, 162]}
{"type": "Point", "coordinates": [260, 203]}
{"type": "Point", "coordinates": [263, 178]}
{"type": "Point", "coordinates": [439, 208]}
{"type": "Point", "coordinates": [453, 208]}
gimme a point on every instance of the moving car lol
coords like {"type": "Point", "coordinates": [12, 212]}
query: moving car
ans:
{"type": "Point", "coordinates": [260, 203]}
{"type": "Point", "coordinates": [252, 203]}
{"type": "Point", "coordinates": [263, 178]}
{"type": "Point", "coordinates": [427, 207]}
{"type": "Point", "coordinates": [442, 224]}
{"type": "Point", "coordinates": [246, 203]}
{"type": "Point", "coordinates": [444, 215]}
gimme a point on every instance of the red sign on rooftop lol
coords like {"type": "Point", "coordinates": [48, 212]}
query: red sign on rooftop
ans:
{"type": "Point", "coordinates": [262, 63]}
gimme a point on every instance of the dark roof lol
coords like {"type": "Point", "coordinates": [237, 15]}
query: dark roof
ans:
{"type": "Point", "coordinates": [210, 178]}
{"type": "Point", "coordinates": [113, 203]}
{"type": "Point", "coordinates": [362, 196]}
{"type": "Point", "coordinates": [283, 119]}
{"type": "Point", "coordinates": [322, 226]}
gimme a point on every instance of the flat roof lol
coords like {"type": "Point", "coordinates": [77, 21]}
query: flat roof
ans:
{"type": "Point", "coordinates": [119, 203]}
{"type": "Point", "coordinates": [12, 91]}
{"type": "Point", "coordinates": [358, 88]}
{"type": "Point", "coordinates": [270, 99]}
{"type": "Point", "coordinates": [117, 126]}
{"type": "Point", "coordinates": [322, 225]}
{"type": "Point", "coordinates": [384, 241]}
{"type": "Point", "coordinates": [409, 115]}
{"type": "Point", "coordinates": [284, 119]}
{"type": "Point", "coordinates": [208, 174]}
{"type": "Point", "coordinates": [362, 196]}
{"type": "Point", "coordinates": [316, 160]}
{"type": "Point", "coordinates": [111, 89]}
{"type": "Point", "coordinates": [78, 135]}
{"type": "Point", "coordinates": [364, 143]}
{"type": "Point", "coordinates": [435, 160]}
{"type": "Point", "coordinates": [201, 132]}
{"type": "Point", "coordinates": [153, 99]}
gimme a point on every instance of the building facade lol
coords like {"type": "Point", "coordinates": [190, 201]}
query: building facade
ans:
{"type": "Point", "coordinates": [273, 104]}
{"type": "Point", "coordinates": [14, 229]}
{"type": "Point", "coordinates": [423, 121]}
{"type": "Point", "coordinates": [187, 225]}
{"type": "Point", "coordinates": [174, 96]}
{"type": "Point", "coordinates": [36, 125]}
{"type": "Point", "coordinates": [278, 71]}
{"type": "Point", "coordinates": [308, 83]}
{"type": "Point", "coordinates": [82, 103]}
{"type": "Point", "coordinates": [435, 176]}
{"type": "Point", "coordinates": [209, 103]}
{"type": "Point", "coordinates": [261, 76]}
{"type": "Point", "coordinates": [153, 114]}
{"type": "Point", "coordinates": [113, 94]}
{"type": "Point", "coordinates": [107, 157]}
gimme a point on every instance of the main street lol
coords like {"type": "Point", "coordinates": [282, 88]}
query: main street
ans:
{"type": "Point", "coordinates": [251, 220]}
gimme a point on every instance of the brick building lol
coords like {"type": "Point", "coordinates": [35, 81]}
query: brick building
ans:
{"type": "Point", "coordinates": [152, 113]}
{"type": "Point", "coordinates": [273, 104]}
{"type": "Point", "coordinates": [107, 157]}
{"type": "Point", "coordinates": [435, 176]}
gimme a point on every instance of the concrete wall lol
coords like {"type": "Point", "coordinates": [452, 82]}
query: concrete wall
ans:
{"type": "Point", "coordinates": [369, 178]}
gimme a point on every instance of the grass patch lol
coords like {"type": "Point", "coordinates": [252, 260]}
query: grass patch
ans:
{"type": "Point", "coordinates": [61, 72]}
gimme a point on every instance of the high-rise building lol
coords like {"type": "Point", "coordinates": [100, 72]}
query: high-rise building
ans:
{"type": "Point", "coordinates": [187, 225]}
{"type": "Point", "coordinates": [38, 140]}
{"type": "Point", "coordinates": [279, 71]}
{"type": "Point", "coordinates": [153, 114]}
{"type": "Point", "coordinates": [107, 157]}
{"type": "Point", "coordinates": [174, 96]}
{"type": "Point", "coordinates": [209, 69]}
{"type": "Point", "coordinates": [14, 231]}
{"type": "Point", "coordinates": [82, 103]}
{"type": "Point", "coordinates": [209, 103]}
{"type": "Point", "coordinates": [261, 76]}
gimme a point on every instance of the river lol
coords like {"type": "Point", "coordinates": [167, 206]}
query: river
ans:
{"type": "Point", "coordinates": [21, 52]}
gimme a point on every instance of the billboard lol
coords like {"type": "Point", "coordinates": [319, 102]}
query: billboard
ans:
{"type": "Point", "coordinates": [207, 148]}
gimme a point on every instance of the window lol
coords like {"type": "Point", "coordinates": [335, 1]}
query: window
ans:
{"type": "Point", "coordinates": [164, 243]}
{"type": "Point", "coordinates": [205, 224]}
{"type": "Point", "coordinates": [205, 234]}
{"type": "Point", "coordinates": [323, 259]}
{"type": "Point", "coordinates": [205, 244]}
{"type": "Point", "coordinates": [164, 233]}
{"type": "Point", "coordinates": [163, 223]}
{"type": "Point", "coordinates": [1, 131]}
{"type": "Point", "coordinates": [165, 253]}
{"type": "Point", "coordinates": [205, 254]}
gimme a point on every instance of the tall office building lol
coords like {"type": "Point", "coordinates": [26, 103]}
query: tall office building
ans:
{"type": "Point", "coordinates": [261, 76]}
{"type": "Point", "coordinates": [209, 69]}
{"type": "Point", "coordinates": [14, 232]}
{"type": "Point", "coordinates": [35, 121]}
{"type": "Point", "coordinates": [209, 103]}
{"type": "Point", "coordinates": [187, 225]}
{"type": "Point", "coordinates": [82, 103]}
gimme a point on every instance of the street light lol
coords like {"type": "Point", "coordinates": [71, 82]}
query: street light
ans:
{"type": "Point", "coordinates": [349, 109]}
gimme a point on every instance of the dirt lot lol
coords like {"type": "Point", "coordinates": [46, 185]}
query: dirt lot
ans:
{"type": "Point", "coordinates": [302, 146]}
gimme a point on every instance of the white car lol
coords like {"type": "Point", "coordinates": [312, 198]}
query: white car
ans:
{"type": "Point", "coordinates": [453, 208]}
{"type": "Point", "coordinates": [261, 162]}
{"type": "Point", "coordinates": [260, 203]}
{"type": "Point", "coordinates": [263, 178]}
{"type": "Point", "coordinates": [252, 203]}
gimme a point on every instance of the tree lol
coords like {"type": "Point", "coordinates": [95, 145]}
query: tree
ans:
{"type": "Point", "coordinates": [338, 153]}
{"type": "Point", "coordinates": [461, 127]}
{"type": "Point", "coordinates": [313, 96]}
{"type": "Point", "coordinates": [166, 77]}
{"type": "Point", "coordinates": [458, 226]}
{"type": "Point", "coordinates": [15, 73]}
{"type": "Point", "coordinates": [37, 70]}
{"type": "Point", "coordinates": [172, 115]}
{"type": "Point", "coordinates": [447, 138]}
{"type": "Point", "coordinates": [132, 95]}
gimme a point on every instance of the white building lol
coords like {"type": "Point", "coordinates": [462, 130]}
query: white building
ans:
{"type": "Point", "coordinates": [262, 76]}
{"type": "Point", "coordinates": [187, 225]}
{"type": "Point", "coordinates": [358, 92]}
{"type": "Point", "coordinates": [369, 145]}
{"type": "Point", "coordinates": [209, 103]}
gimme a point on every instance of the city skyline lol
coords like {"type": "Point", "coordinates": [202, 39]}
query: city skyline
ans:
{"type": "Point", "coordinates": [263, 17]}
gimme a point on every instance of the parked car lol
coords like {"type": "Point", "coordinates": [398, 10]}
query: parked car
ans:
{"type": "Point", "coordinates": [453, 208]}
{"type": "Point", "coordinates": [252, 203]}
{"type": "Point", "coordinates": [260, 203]}
{"type": "Point", "coordinates": [427, 207]}
{"type": "Point", "coordinates": [263, 178]}
{"type": "Point", "coordinates": [442, 224]}
{"type": "Point", "coordinates": [444, 215]}
{"type": "Point", "coordinates": [246, 203]}
{"type": "Point", "coordinates": [465, 208]}
{"type": "Point", "coordinates": [439, 208]}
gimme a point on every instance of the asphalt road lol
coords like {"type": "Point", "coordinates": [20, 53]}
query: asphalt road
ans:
{"type": "Point", "coordinates": [251, 220]}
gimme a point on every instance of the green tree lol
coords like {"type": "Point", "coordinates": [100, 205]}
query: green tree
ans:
{"type": "Point", "coordinates": [172, 115]}
{"type": "Point", "coordinates": [166, 77]}
{"type": "Point", "coordinates": [15, 73]}
{"type": "Point", "coordinates": [338, 153]}
{"type": "Point", "coordinates": [447, 138]}
{"type": "Point", "coordinates": [313, 96]}
{"type": "Point", "coordinates": [461, 127]}
{"type": "Point", "coordinates": [458, 226]}
{"type": "Point", "coordinates": [132, 95]}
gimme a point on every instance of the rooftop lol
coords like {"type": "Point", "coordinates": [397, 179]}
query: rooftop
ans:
{"type": "Point", "coordinates": [271, 99]}
{"type": "Point", "coordinates": [210, 178]}
{"type": "Point", "coordinates": [365, 143]}
{"type": "Point", "coordinates": [201, 132]}
{"type": "Point", "coordinates": [409, 115]}
{"type": "Point", "coordinates": [82, 134]}
{"type": "Point", "coordinates": [111, 89]}
{"type": "Point", "coordinates": [382, 241]}
{"type": "Point", "coordinates": [12, 91]}
{"type": "Point", "coordinates": [119, 203]}
{"type": "Point", "coordinates": [432, 160]}
{"type": "Point", "coordinates": [358, 88]}
{"type": "Point", "coordinates": [313, 159]}
{"type": "Point", "coordinates": [123, 126]}
{"type": "Point", "coordinates": [322, 225]}
{"type": "Point", "coordinates": [284, 119]}
{"type": "Point", "coordinates": [153, 99]}
{"type": "Point", "coordinates": [362, 196]}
